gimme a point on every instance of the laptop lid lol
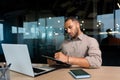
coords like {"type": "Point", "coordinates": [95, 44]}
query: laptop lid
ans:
{"type": "Point", "coordinates": [18, 56]}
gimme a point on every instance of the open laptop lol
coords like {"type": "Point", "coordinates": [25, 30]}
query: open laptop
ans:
{"type": "Point", "coordinates": [18, 56]}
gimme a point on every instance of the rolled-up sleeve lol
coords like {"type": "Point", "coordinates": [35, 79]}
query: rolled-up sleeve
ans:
{"type": "Point", "coordinates": [94, 54]}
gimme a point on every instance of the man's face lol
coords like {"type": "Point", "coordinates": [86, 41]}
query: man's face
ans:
{"type": "Point", "coordinates": [72, 28]}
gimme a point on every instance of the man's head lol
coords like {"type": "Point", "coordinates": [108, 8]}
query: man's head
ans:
{"type": "Point", "coordinates": [109, 32]}
{"type": "Point", "coordinates": [72, 26]}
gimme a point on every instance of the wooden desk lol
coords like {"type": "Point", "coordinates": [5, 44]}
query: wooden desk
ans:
{"type": "Point", "coordinates": [104, 73]}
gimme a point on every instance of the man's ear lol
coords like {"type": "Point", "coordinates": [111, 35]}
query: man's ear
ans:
{"type": "Point", "coordinates": [78, 25]}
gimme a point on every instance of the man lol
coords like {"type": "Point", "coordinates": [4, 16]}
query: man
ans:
{"type": "Point", "coordinates": [81, 50]}
{"type": "Point", "coordinates": [110, 40]}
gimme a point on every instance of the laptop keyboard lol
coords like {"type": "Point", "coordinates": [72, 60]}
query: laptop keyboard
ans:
{"type": "Point", "coordinates": [38, 70]}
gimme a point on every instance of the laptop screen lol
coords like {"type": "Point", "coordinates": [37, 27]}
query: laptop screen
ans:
{"type": "Point", "coordinates": [18, 56]}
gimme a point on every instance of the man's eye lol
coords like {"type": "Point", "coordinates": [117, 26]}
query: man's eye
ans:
{"type": "Point", "coordinates": [70, 27]}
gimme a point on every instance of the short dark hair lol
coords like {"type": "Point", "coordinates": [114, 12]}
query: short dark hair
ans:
{"type": "Point", "coordinates": [72, 18]}
{"type": "Point", "coordinates": [108, 30]}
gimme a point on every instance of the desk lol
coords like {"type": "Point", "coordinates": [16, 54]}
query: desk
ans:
{"type": "Point", "coordinates": [104, 73]}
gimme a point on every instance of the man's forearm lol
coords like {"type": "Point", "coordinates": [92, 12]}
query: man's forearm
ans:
{"type": "Point", "coordinates": [82, 62]}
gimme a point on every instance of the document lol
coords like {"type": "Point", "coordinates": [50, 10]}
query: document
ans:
{"type": "Point", "coordinates": [79, 73]}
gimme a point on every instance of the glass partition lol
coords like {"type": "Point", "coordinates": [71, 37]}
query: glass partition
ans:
{"type": "Point", "coordinates": [43, 34]}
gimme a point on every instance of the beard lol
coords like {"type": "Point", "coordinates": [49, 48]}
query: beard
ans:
{"type": "Point", "coordinates": [76, 34]}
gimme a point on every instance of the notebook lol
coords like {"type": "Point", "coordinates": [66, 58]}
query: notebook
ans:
{"type": "Point", "coordinates": [18, 56]}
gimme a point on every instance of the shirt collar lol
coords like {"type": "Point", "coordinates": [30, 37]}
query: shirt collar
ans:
{"type": "Point", "coordinates": [79, 37]}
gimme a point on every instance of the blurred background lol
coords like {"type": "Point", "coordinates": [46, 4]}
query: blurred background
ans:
{"type": "Point", "coordinates": [40, 25]}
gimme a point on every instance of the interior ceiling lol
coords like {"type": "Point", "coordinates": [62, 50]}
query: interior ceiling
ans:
{"type": "Point", "coordinates": [82, 8]}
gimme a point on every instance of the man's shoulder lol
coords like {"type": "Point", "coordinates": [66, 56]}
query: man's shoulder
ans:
{"type": "Point", "coordinates": [88, 37]}
{"type": "Point", "coordinates": [66, 41]}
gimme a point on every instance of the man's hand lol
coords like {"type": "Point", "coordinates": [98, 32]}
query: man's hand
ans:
{"type": "Point", "coordinates": [62, 57]}
{"type": "Point", "coordinates": [51, 62]}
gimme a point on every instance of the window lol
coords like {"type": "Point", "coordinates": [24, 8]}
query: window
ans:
{"type": "Point", "coordinates": [1, 32]}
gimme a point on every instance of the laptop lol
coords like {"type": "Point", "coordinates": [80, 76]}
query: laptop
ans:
{"type": "Point", "coordinates": [18, 56]}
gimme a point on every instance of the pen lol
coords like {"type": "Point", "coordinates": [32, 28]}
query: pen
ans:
{"type": "Point", "coordinates": [58, 50]}
{"type": "Point", "coordinates": [6, 68]}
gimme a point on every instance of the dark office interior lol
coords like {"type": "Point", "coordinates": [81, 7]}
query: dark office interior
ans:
{"type": "Point", "coordinates": [40, 25]}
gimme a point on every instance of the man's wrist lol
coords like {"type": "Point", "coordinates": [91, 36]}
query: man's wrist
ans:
{"type": "Point", "coordinates": [68, 59]}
